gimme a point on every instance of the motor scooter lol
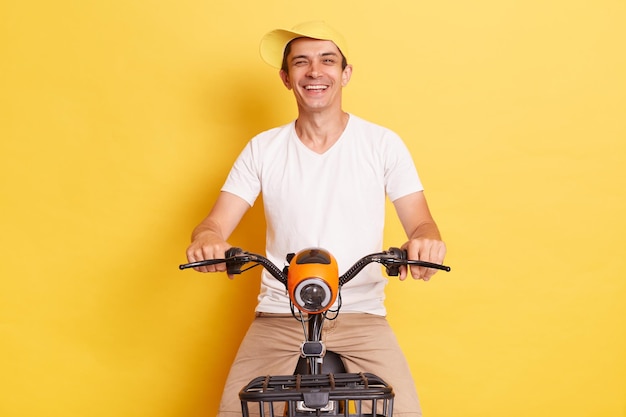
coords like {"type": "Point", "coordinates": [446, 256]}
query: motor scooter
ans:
{"type": "Point", "coordinates": [320, 385]}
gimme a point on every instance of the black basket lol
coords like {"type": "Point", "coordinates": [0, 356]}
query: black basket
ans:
{"type": "Point", "coordinates": [349, 395]}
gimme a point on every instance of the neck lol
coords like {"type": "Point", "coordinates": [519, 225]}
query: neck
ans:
{"type": "Point", "coordinates": [319, 131]}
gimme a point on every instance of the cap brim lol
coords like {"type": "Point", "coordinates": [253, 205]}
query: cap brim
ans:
{"type": "Point", "coordinates": [273, 43]}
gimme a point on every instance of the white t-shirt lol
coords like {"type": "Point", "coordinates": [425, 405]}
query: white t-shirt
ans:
{"type": "Point", "coordinates": [334, 200]}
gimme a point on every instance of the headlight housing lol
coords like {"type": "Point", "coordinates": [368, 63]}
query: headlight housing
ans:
{"type": "Point", "coordinates": [313, 280]}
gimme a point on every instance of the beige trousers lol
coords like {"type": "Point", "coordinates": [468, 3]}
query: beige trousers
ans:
{"type": "Point", "coordinates": [366, 343]}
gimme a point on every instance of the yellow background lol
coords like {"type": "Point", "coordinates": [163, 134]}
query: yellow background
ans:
{"type": "Point", "coordinates": [119, 120]}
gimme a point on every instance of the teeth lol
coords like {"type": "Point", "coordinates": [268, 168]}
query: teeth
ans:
{"type": "Point", "coordinates": [316, 87]}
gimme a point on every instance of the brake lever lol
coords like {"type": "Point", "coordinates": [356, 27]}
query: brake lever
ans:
{"type": "Point", "coordinates": [235, 259]}
{"type": "Point", "coordinates": [205, 262]}
{"type": "Point", "coordinates": [428, 265]}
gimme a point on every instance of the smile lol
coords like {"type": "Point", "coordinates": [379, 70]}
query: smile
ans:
{"type": "Point", "coordinates": [316, 87]}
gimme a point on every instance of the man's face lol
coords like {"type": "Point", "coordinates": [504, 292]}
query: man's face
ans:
{"type": "Point", "coordinates": [315, 74]}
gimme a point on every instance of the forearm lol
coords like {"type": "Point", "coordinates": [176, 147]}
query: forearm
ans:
{"type": "Point", "coordinates": [415, 217]}
{"type": "Point", "coordinates": [223, 218]}
{"type": "Point", "coordinates": [424, 240]}
{"type": "Point", "coordinates": [208, 239]}
{"type": "Point", "coordinates": [425, 230]}
{"type": "Point", "coordinates": [207, 228]}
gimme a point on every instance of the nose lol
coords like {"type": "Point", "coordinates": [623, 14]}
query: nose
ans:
{"type": "Point", "coordinates": [314, 71]}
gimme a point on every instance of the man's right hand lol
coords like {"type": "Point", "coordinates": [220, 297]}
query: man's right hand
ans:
{"type": "Point", "coordinates": [207, 246]}
{"type": "Point", "coordinates": [208, 240]}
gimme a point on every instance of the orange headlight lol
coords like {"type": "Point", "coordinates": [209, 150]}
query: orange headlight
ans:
{"type": "Point", "coordinates": [313, 280]}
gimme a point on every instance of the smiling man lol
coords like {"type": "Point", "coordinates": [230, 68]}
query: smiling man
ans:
{"type": "Point", "coordinates": [324, 179]}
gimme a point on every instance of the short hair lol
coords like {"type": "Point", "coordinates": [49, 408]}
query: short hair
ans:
{"type": "Point", "coordinates": [285, 67]}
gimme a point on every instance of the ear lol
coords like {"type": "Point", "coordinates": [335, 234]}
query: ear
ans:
{"type": "Point", "coordinates": [346, 75]}
{"type": "Point", "coordinates": [285, 78]}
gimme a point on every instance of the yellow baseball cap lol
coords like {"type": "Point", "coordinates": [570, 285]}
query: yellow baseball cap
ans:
{"type": "Point", "coordinates": [274, 42]}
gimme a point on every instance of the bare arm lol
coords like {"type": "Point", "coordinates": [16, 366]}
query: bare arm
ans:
{"type": "Point", "coordinates": [208, 239]}
{"type": "Point", "coordinates": [424, 242]}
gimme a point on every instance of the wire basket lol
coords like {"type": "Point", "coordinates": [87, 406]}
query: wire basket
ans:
{"type": "Point", "coordinates": [346, 394]}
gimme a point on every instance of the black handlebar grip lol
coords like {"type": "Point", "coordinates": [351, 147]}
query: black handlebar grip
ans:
{"type": "Point", "coordinates": [232, 252]}
{"type": "Point", "coordinates": [233, 267]}
{"type": "Point", "coordinates": [399, 254]}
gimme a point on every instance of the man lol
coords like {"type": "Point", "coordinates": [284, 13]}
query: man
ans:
{"type": "Point", "coordinates": [324, 179]}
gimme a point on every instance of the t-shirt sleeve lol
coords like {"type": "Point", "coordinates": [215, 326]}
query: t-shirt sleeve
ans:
{"type": "Point", "coordinates": [243, 179]}
{"type": "Point", "coordinates": [401, 177]}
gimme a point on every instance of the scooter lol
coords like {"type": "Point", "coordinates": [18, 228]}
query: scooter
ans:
{"type": "Point", "coordinates": [320, 385]}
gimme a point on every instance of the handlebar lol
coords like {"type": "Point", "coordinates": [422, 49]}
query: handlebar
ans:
{"type": "Point", "coordinates": [392, 259]}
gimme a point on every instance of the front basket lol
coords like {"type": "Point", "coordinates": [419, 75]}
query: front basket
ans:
{"type": "Point", "coordinates": [347, 394]}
